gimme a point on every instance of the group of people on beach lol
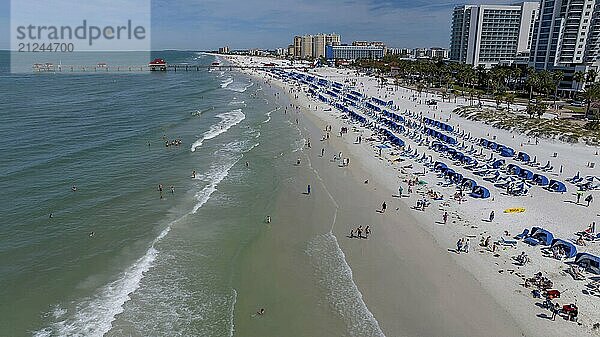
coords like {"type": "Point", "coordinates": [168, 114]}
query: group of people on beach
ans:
{"type": "Point", "coordinates": [462, 245]}
{"type": "Point", "coordinates": [359, 231]}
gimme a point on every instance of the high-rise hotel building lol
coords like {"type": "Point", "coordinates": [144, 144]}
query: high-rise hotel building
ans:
{"type": "Point", "coordinates": [566, 35]}
{"type": "Point", "coordinates": [491, 34]}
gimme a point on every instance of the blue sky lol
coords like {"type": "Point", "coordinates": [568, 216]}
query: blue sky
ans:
{"type": "Point", "coordinates": [209, 24]}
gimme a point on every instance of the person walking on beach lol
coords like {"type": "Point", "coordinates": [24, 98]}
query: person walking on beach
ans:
{"type": "Point", "coordinates": [308, 189]}
{"type": "Point", "coordinates": [491, 216]}
{"type": "Point", "coordinates": [367, 231]}
{"type": "Point", "coordinates": [589, 200]}
{"type": "Point", "coordinates": [383, 207]}
{"type": "Point", "coordinates": [359, 232]}
{"type": "Point", "coordinates": [400, 190]}
{"type": "Point", "coordinates": [445, 217]}
{"type": "Point", "coordinates": [555, 310]}
{"type": "Point", "coordinates": [466, 246]}
{"type": "Point", "coordinates": [579, 194]}
{"type": "Point", "coordinates": [322, 152]}
{"type": "Point", "coordinates": [459, 245]}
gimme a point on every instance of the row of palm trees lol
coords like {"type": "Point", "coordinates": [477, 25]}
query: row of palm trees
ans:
{"type": "Point", "coordinates": [503, 83]}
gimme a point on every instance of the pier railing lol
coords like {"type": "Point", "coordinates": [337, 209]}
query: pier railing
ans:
{"type": "Point", "coordinates": [145, 68]}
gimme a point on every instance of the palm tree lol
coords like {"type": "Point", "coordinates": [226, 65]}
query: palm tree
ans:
{"type": "Point", "coordinates": [540, 108]}
{"type": "Point", "coordinates": [509, 98]}
{"type": "Point", "coordinates": [498, 97]}
{"type": "Point", "coordinates": [530, 110]}
{"type": "Point", "coordinates": [532, 81]}
{"type": "Point", "coordinates": [592, 93]}
{"type": "Point", "coordinates": [471, 94]}
{"type": "Point", "coordinates": [481, 74]}
{"type": "Point", "coordinates": [591, 76]}
{"type": "Point", "coordinates": [557, 77]}
{"type": "Point", "coordinates": [579, 77]}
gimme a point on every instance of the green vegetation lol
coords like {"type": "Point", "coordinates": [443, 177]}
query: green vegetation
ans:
{"type": "Point", "coordinates": [563, 130]}
{"type": "Point", "coordinates": [504, 85]}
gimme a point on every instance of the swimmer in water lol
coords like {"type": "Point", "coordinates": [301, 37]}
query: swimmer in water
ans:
{"type": "Point", "coordinates": [74, 188]}
{"type": "Point", "coordinates": [261, 312]}
{"type": "Point", "coordinates": [92, 234]}
{"type": "Point", "coordinates": [194, 174]}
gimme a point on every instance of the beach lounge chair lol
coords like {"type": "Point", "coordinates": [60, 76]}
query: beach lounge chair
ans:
{"type": "Point", "coordinates": [506, 241]}
{"type": "Point", "coordinates": [522, 235]}
{"type": "Point", "coordinates": [574, 271]}
{"type": "Point", "coordinates": [531, 241]}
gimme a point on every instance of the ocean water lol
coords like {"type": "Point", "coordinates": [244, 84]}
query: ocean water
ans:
{"type": "Point", "coordinates": [116, 258]}
{"type": "Point", "coordinates": [153, 266]}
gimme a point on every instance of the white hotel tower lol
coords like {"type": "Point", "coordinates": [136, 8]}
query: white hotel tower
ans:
{"type": "Point", "coordinates": [492, 34]}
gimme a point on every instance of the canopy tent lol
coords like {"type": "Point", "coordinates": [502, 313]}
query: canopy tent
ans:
{"type": "Point", "coordinates": [457, 178]}
{"type": "Point", "coordinates": [557, 186]}
{"type": "Point", "coordinates": [569, 248]}
{"type": "Point", "coordinates": [514, 169]}
{"type": "Point", "coordinates": [467, 160]}
{"type": "Point", "coordinates": [449, 172]}
{"type": "Point", "coordinates": [439, 165]}
{"type": "Point", "coordinates": [506, 151]}
{"type": "Point", "coordinates": [543, 236]}
{"type": "Point", "coordinates": [468, 183]}
{"type": "Point", "coordinates": [540, 180]}
{"type": "Point", "coordinates": [498, 163]}
{"type": "Point", "coordinates": [524, 157]}
{"type": "Point", "coordinates": [480, 192]}
{"type": "Point", "coordinates": [526, 174]}
{"type": "Point", "coordinates": [590, 262]}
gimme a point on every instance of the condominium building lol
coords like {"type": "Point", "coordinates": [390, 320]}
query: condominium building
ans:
{"type": "Point", "coordinates": [592, 50]}
{"type": "Point", "coordinates": [368, 43]}
{"type": "Point", "coordinates": [307, 46]}
{"type": "Point", "coordinates": [313, 46]}
{"type": "Point", "coordinates": [567, 34]}
{"type": "Point", "coordinates": [490, 34]}
{"type": "Point", "coordinates": [354, 52]}
{"type": "Point", "coordinates": [332, 40]}
{"type": "Point", "coordinates": [402, 52]}
{"type": "Point", "coordinates": [297, 47]}
{"type": "Point", "coordinates": [438, 53]}
{"type": "Point", "coordinates": [318, 47]}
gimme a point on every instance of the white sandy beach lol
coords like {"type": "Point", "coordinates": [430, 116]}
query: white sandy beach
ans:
{"type": "Point", "coordinates": [410, 279]}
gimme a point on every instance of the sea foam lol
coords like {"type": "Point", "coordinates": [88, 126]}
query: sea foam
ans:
{"type": "Point", "coordinates": [228, 120]}
{"type": "Point", "coordinates": [342, 294]}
